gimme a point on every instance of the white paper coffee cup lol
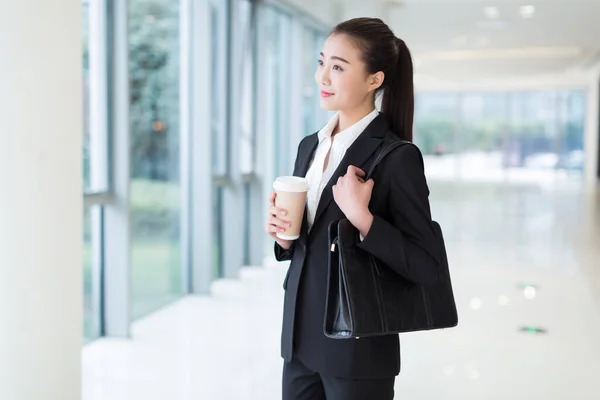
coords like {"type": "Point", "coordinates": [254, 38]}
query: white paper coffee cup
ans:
{"type": "Point", "coordinates": [291, 196]}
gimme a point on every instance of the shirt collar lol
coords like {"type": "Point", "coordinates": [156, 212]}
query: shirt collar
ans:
{"type": "Point", "coordinates": [348, 135]}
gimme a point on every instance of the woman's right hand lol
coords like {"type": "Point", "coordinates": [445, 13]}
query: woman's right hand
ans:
{"type": "Point", "coordinates": [276, 224]}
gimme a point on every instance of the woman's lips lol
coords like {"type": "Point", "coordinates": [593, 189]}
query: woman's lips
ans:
{"type": "Point", "coordinates": [325, 94]}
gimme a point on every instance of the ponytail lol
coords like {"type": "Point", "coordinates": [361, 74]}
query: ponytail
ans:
{"type": "Point", "coordinates": [383, 51]}
{"type": "Point", "coordinates": [398, 103]}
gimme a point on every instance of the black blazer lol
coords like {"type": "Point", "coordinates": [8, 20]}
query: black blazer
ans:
{"type": "Point", "coordinates": [401, 236]}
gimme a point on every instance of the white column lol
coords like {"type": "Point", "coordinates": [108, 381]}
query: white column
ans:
{"type": "Point", "coordinates": [40, 200]}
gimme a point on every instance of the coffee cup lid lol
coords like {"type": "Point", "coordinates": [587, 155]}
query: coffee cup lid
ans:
{"type": "Point", "coordinates": [291, 184]}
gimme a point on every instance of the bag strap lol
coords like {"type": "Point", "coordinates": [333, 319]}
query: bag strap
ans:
{"type": "Point", "coordinates": [388, 148]}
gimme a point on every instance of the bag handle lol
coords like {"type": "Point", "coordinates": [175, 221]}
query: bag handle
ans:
{"type": "Point", "coordinates": [391, 146]}
{"type": "Point", "coordinates": [387, 149]}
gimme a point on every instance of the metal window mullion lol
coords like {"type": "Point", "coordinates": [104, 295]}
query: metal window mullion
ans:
{"type": "Point", "coordinates": [232, 200]}
{"type": "Point", "coordinates": [185, 56]}
{"type": "Point", "coordinates": [224, 157]}
{"type": "Point", "coordinates": [99, 153]}
{"type": "Point", "coordinates": [264, 129]}
{"type": "Point", "coordinates": [506, 136]}
{"type": "Point", "coordinates": [458, 135]}
{"type": "Point", "coordinates": [97, 243]}
{"type": "Point", "coordinates": [117, 287]}
{"type": "Point", "coordinates": [296, 97]}
{"type": "Point", "coordinates": [256, 208]}
{"type": "Point", "coordinates": [200, 164]}
{"type": "Point", "coordinates": [94, 199]}
{"type": "Point", "coordinates": [98, 95]}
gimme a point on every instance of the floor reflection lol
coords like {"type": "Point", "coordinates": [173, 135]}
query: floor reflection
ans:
{"type": "Point", "coordinates": [524, 263]}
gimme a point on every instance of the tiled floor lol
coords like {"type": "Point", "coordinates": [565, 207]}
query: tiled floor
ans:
{"type": "Point", "coordinates": [225, 347]}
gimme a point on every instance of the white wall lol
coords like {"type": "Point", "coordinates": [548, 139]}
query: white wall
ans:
{"type": "Point", "coordinates": [41, 305]}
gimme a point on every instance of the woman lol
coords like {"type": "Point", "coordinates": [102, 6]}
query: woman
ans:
{"type": "Point", "coordinates": [360, 58]}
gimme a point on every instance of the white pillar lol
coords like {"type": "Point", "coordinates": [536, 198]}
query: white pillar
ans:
{"type": "Point", "coordinates": [40, 200]}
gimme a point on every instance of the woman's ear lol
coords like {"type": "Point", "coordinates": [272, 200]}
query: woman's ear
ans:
{"type": "Point", "coordinates": [376, 80]}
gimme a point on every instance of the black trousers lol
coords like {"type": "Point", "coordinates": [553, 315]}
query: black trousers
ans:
{"type": "Point", "coordinates": [301, 383]}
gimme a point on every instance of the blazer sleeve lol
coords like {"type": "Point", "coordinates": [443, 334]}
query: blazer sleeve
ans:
{"type": "Point", "coordinates": [280, 253]}
{"type": "Point", "coordinates": [284, 255]}
{"type": "Point", "coordinates": [406, 241]}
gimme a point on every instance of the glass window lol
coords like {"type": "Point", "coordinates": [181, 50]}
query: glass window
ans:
{"type": "Point", "coordinates": [571, 132]}
{"type": "Point", "coordinates": [155, 188]}
{"type": "Point", "coordinates": [85, 8]}
{"type": "Point", "coordinates": [533, 139]}
{"type": "Point", "coordinates": [483, 130]}
{"type": "Point", "coordinates": [276, 36]}
{"type": "Point", "coordinates": [285, 163]}
{"type": "Point", "coordinates": [217, 234]}
{"type": "Point", "coordinates": [95, 154]}
{"type": "Point", "coordinates": [309, 88]}
{"type": "Point", "coordinates": [218, 20]}
{"type": "Point", "coordinates": [321, 116]}
{"type": "Point", "coordinates": [532, 136]}
{"type": "Point", "coordinates": [88, 312]}
{"type": "Point", "coordinates": [314, 116]}
{"type": "Point", "coordinates": [436, 118]}
{"type": "Point", "coordinates": [95, 104]}
{"type": "Point", "coordinates": [245, 35]}
{"type": "Point", "coordinates": [92, 247]}
{"type": "Point", "coordinates": [219, 124]}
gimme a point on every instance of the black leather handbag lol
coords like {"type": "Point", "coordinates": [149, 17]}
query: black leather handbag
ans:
{"type": "Point", "coordinates": [366, 298]}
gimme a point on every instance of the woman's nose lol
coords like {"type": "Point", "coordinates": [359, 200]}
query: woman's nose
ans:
{"type": "Point", "coordinates": [324, 76]}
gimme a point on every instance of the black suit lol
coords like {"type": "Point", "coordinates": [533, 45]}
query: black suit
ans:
{"type": "Point", "coordinates": [401, 236]}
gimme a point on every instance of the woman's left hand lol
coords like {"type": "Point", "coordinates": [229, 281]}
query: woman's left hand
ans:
{"type": "Point", "coordinates": [352, 195]}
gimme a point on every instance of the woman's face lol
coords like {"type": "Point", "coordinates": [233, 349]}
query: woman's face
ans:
{"type": "Point", "coordinates": [342, 76]}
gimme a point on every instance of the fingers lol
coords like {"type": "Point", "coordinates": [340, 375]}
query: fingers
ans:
{"type": "Point", "coordinates": [355, 171]}
{"type": "Point", "coordinates": [275, 221]}
{"type": "Point", "coordinates": [273, 209]}
{"type": "Point", "coordinates": [351, 175]}
{"type": "Point", "coordinates": [279, 212]}
{"type": "Point", "coordinates": [273, 229]}
{"type": "Point", "coordinates": [275, 225]}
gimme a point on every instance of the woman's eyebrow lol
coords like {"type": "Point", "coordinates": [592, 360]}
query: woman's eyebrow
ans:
{"type": "Point", "coordinates": [337, 58]}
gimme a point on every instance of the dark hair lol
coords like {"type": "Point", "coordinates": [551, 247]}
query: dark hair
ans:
{"type": "Point", "coordinates": [383, 51]}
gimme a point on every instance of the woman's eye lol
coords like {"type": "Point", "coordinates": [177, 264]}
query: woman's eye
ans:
{"type": "Point", "coordinates": [320, 62]}
{"type": "Point", "coordinates": [337, 67]}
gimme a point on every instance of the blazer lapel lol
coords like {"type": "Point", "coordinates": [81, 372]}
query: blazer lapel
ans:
{"type": "Point", "coordinates": [307, 155]}
{"type": "Point", "coordinates": [305, 158]}
{"type": "Point", "coordinates": [358, 153]}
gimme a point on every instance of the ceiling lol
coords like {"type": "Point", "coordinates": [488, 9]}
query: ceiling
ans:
{"type": "Point", "coordinates": [466, 40]}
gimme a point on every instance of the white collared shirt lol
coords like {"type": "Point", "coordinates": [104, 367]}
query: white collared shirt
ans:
{"type": "Point", "coordinates": [317, 178]}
